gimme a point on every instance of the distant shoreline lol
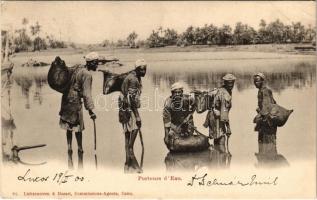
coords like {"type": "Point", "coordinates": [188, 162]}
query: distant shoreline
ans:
{"type": "Point", "coordinates": [264, 48]}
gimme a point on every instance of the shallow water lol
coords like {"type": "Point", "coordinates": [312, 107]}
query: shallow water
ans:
{"type": "Point", "coordinates": [34, 107]}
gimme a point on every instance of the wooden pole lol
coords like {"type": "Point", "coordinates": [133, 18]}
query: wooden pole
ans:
{"type": "Point", "coordinates": [95, 143]}
{"type": "Point", "coordinates": [142, 155]}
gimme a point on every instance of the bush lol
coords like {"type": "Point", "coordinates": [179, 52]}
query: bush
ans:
{"type": "Point", "coordinates": [39, 44]}
{"type": "Point", "coordinates": [57, 44]}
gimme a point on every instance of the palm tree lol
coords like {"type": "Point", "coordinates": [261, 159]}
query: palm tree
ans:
{"type": "Point", "coordinates": [25, 21]}
{"type": "Point", "coordinates": [131, 39]}
{"type": "Point", "coordinates": [35, 30]}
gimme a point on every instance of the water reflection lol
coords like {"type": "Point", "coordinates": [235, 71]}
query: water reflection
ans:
{"type": "Point", "coordinates": [301, 75]}
{"type": "Point", "coordinates": [215, 158]}
{"type": "Point", "coordinates": [40, 81]}
{"type": "Point", "coordinates": [131, 165]}
{"type": "Point", "coordinates": [10, 150]}
{"type": "Point", "coordinates": [268, 157]}
{"type": "Point", "coordinates": [31, 83]}
{"type": "Point", "coordinates": [25, 83]}
{"type": "Point", "coordinates": [80, 160]}
{"type": "Point", "coordinates": [70, 160]}
{"type": "Point", "coordinates": [25, 78]}
{"type": "Point", "coordinates": [7, 121]}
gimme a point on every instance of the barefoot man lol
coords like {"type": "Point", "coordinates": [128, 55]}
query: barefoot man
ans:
{"type": "Point", "coordinates": [71, 113]}
{"type": "Point", "coordinates": [129, 103]}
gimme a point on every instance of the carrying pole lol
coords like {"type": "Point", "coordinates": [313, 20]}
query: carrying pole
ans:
{"type": "Point", "coordinates": [142, 155]}
{"type": "Point", "coordinates": [95, 144]}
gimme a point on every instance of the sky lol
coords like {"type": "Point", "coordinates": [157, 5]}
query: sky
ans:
{"type": "Point", "coordinates": [93, 22]}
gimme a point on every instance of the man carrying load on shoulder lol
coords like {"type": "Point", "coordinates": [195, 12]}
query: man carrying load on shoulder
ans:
{"type": "Point", "coordinates": [178, 114]}
{"type": "Point", "coordinates": [129, 103]}
{"type": "Point", "coordinates": [270, 116]}
{"type": "Point", "coordinates": [71, 112]}
{"type": "Point", "coordinates": [218, 117]}
{"type": "Point", "coordinates": [264, 126]}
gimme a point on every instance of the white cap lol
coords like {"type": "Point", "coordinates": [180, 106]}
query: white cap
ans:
{"type": "Point", "coordinates": [92, 56]}
{"type": "Point", "coordinates": [176, 86]}
{"type": "Point", "coordinates": [229, 77]}
{"type": "Point", "coordinates": [140, 62]}
{"type": "Point", "coordinates": [261, 75]}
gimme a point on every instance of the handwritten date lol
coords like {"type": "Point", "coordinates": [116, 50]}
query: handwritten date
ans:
{"type": "Point", "coordinates": [59, 178]}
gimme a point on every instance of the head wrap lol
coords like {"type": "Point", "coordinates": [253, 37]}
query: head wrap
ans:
{"type": "Point", "coordinates": [229, 77]}
{"type": "Point", "coordinates": [261, 75]}
{"type": "Point", "coordinates": [176, 86]}
{"type": "Point", "coordinates": [140, 62]}
{"type": "Point", "coordinates": [92, 56]}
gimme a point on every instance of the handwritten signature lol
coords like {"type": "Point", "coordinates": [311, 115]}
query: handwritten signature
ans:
{"type": "Point", "coordinates": [59, 178]}
{"type": "Point", "coordinates": [251, 181]}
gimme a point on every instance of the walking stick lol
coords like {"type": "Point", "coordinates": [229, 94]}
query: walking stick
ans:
{"type": "Point", "coordinates": [228, 145]}
{"type": "Point", "coordinates": [142, 155]}
{"type": "Point", "coordinates": [95, 143]}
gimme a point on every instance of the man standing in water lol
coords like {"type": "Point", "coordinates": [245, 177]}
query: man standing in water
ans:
{"type": "Point", "coordinates": [71, 113]}
{"type": "Point", "coordinates": [177, 115]}
{"type": "Point", "coordinates": [129, 103]}
{"type": "Point", "coordinates": [264, 126]}
{"type": "Point", "coordinates": [218, 118]}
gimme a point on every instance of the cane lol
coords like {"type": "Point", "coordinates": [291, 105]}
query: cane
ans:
{"type": "Point", "coordinates": [95, 143]}
{"type": "Point", "coordinates": [142, 155]}
{"type": "Point", "coordinates": [228, 145]}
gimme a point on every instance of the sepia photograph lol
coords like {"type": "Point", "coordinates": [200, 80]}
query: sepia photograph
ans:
{"type": "Point", "coordinates": [158, 99]}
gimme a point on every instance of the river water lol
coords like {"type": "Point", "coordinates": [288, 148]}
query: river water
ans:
{"type": "Point", "coordinates": [34, 106]}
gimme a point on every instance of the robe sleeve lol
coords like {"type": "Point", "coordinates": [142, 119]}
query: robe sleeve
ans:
{"type": "Point", "coordinates": [87, 85]}
{"type": "Point", "coordinates": [167, 114]}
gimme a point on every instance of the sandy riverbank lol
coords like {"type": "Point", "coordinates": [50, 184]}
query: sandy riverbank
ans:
{"type": "Point", "coordinates": [265, 48]}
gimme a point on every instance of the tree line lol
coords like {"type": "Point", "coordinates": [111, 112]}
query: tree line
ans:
{"type": "Point", "coordinates": [28, 38]}
{"type": "Point", "coordinates": [275, 32]}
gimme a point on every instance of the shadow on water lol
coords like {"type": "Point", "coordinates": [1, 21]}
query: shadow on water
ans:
{"type": "Point", "coordinates": [215, 158]}
{"type": "Point", "coordinates": [301, 75]}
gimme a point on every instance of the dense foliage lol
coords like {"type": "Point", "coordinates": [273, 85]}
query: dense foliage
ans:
{"type": "Point", "coordinates": [25, 39]}
{"type": "Point", "coordinates": [275, 32]}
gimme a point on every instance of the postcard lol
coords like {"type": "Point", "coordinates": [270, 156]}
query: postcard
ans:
{"type": "Point", "coordinates": [161, 99]}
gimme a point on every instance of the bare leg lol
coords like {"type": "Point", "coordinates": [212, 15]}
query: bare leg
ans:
{"type": "Point", "coordinates": [79, 141]}
{"type": "Point", "coordinates": [133, 135]}
{"type": "Point", "coordinates": [227, 144]}
{"type": "Point", "coordinates": [69, 136]}
{"type": "Point", "coordinates": [127, 138]}
{"type": "Point", "coordinates": [70, 160]}
{"type": "Point", "coordinates": [80, 149]}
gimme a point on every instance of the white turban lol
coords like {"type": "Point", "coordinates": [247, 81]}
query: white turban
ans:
{"type": "Point", "coordinates": [261, 75]}
{"type": "Point", "coordinates": [92, 56]}
{"type": "Point", "coordinates": [140, 62]}
{"type": "Point", "coordinates": [229, 77]}
{"type": "Point", "coordinates": [176, 86]}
